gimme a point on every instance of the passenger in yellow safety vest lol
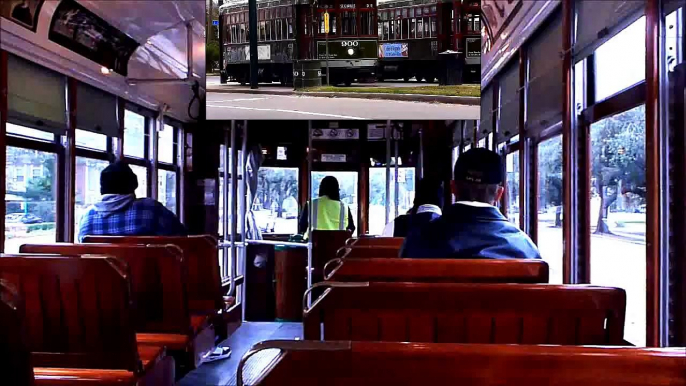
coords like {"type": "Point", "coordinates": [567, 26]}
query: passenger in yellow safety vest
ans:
{"type": "Point", "coordinates": [328, 212]}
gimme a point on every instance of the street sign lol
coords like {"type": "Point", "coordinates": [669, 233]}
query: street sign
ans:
{"type": "Point", "coordinates": [215, 22]}
{"type": "Point", "coordinates": [326, 22]}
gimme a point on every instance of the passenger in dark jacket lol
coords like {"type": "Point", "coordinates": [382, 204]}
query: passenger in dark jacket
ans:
{"type": "Point", "coordinates": [472, 227]}
{"type": "Point", "coordinates": [428, 201]}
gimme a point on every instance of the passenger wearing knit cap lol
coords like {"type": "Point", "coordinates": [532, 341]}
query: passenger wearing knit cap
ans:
{"type": "Point", "coordinates": [472, 227]}
{"type": "Point", "coordinates": [120, 213]}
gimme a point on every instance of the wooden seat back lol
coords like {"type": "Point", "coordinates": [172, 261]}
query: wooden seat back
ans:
{"type": "Point", "coordinates": [306, 363]}
{"type": "Point", "coordinates": [201, 256]}
{"type": "Point", "coordinates": [324, 247]}
{"type": "Point", "coordinates": [468, 313]}
{"type": "Point", "coordinates": [440, 271]}
{"type": "Point", "coordinates": [376, 241]}
{"type": "Point", "coordinates": [368, 252]}
{"type": "Point", "coordinates": [15, 365]}
{"type": "Point", "coordinates": [78, 310]}
{"type": "Point", "coordinates": [158, 281]}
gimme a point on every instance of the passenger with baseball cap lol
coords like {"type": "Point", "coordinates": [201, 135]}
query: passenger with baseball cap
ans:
{"type": "Point", "coordinates": [472, 227]}
{"type": "Point", "coordinates": [120, 213]}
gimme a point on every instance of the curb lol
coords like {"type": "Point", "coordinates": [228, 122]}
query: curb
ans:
{"type": "Point", "coordinates": [458, 100]}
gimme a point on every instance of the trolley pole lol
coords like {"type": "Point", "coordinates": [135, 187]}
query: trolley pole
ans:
{"type": "Point", "coordinates": [252, 26]}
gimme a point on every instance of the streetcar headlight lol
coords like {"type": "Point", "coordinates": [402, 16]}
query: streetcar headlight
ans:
{"type": "Point", "coordinates": [351, 52]}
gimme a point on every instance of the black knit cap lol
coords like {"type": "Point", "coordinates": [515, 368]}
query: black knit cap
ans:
{"type": "Point", "coordinates": [118, 178]}
{"type": "Point", "coordinates": [479, 165]}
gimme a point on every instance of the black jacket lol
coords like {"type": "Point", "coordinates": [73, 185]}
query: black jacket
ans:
{"type": "Point", "coordinates": [467, 231]}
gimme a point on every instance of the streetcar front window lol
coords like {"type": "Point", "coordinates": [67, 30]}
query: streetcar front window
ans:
{"type": "Point", "coordinates": [349, 23]}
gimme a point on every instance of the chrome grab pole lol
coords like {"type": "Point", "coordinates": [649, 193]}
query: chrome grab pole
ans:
{"type": "Point", "coordinates": [329, 285]}
{"type": "Point", "coordinates": [234, 201]}
{"type": "Point", "coordinates": [309, 207]}
{"type": "Point", "coordinates": [225, 210]}
{"type": "Point", "coordinates": [388, 172]}
{"type": "Point", "coordinates": [397, 185]}
{"type": "Point", "coordinates": [244, 251]}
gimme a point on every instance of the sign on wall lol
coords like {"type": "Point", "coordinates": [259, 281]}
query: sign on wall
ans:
{"type": "Point", "coordinates": [335, 134]}
{"type": "Point", "coordinates": [263, 52]}
{"type": "Point", "coordinates": [393, 50]}
{"type": "Point", "coordinates": [333, 158]}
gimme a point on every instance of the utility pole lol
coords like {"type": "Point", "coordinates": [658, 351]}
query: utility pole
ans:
{"type": "Point", "coordinates": [222, 70]}
{"type": "Point", "coordinates": [252, 25]}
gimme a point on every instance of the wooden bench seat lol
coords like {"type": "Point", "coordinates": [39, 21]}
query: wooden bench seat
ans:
{"type": "Point", "coordinates": [468, 313]}
{"type": "Point", "coordinates": [368, 252]}
{"type": "Point", "coordinates": [201, 258]}
{"type": "Point", "coordinates": [438, 270]}
{"type": "Point", "coordinates": [76, 321]}
{"type": "Point", "coordinates": [307, 363]}
{"type": "Point", "coordinates": [159, 287]}
{"type": "Point", "coordinates": [376, 241]}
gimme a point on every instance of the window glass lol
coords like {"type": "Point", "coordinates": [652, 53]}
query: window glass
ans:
{"type": "Point", "coordinates": [22, 131]}
{"type": "Point", "coordinates": [377, 196]}
{"type": "Point", "coordinates": [347, 182]}
{"type": "Point", "coordinates": [166, 191]}
{"type": "Point", "coordinates": [166, 145]}
{"type": "Point", "coordinates": [512, 167]}
{"type": "Point", "coordinates": [134, 135]}
{"type": "Point", "coordinates": [91, 140]}
{"type": "Point", "coordinates": [142, 174]}
{"type": "Point", "coordinates": [30, 198]}
{"type": "Point", "coordinates": [579, 86]}
{"type": "Point", "coordinates": [550, 206]}
{"type": "Point", "coordinates": [618, 213]}
{"type": "Point", "coordinates": [620, 62]}
{"type": "Point", "coordinates": [674, 40]}
{"type": "Point", "coordinates": [275, 205]}
{"type": "Point", "coordinates": [87, 185]}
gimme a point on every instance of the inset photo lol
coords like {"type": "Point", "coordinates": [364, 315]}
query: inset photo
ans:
{"type": "Point", "coordinates": [344, 59]}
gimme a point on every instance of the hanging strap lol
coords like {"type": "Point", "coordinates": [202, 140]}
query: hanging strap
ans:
{"type": "Point", "coordinates": [341, 225]}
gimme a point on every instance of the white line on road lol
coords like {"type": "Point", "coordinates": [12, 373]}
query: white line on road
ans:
{"type": "Point", "coordinates": [241, 100]}
{"type": "Point", "coordinates": [288, 111]}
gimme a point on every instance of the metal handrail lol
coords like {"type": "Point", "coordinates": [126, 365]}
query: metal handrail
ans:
{"type": "Point", "coordinates": [330, 286]}
{"type": "Point", "coordinates": [288, 345]}
{"type": "Point", "coordinates": [328, 263]}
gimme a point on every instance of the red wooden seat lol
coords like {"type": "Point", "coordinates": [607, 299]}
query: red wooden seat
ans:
{"type": "Point", "coordinates": [324, 247]}
{"type": "Point", "coordinates": [78, 322]}
{"type": "Point", "coordinates": [159, 292]}
{"type": "Point", "coordinates": [468, 313]}
{"type": "Point", "coordinates": [368, 252]}
{"type": "Point", "coordinates": [376, 241]}
{"type": "Point", "coordinates": [438, 270]}
{"type": "Point", "coordinates": [307, 363]}
{"type": "Point", "coordinates": [201, 257]}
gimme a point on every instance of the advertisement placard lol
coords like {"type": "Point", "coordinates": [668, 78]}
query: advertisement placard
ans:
{"type": "Point", "coordinates": [393, 50]}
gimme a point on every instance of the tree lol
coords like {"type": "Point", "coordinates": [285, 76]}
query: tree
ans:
{"type": "Point", "coordinates": [618, 159]}
{"type": "Point", "coordinates": [550, 175]}
{"type": "Point", "coordinates": [275, 186]}
{"type": "Point", "coordinates": [212, 54]}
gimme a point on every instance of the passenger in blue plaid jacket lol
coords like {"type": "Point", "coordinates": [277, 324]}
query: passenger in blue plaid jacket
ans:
{"type": "Point", "coordinates": [120, 213]}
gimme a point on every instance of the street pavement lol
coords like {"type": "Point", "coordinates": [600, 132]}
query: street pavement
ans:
{"type": "Point", "coordinates": [226, 106]}
{"type": "Point", "coordinates": [251, 106]}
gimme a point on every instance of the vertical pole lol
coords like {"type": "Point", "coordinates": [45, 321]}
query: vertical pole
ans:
{"type": "Point", "coordinates": [252, 21]}
{"type": "Point", "coordinates": [388, 172]}
{"type": "Point", "coordinates": [568, 153]}
{"type": "Point", "coordinates": [421, 154]}
{"type": "Point", "coordinates": [244, 194]}
{"type": "Point", "coordinates": [155, 142]}
{"type": "Point", "coordinates": [653, 172]}
{"type": "Point", "coordinates": [225, 205]}
{"type": "Point", "coordinates": [70, 165]}
{"type": "Point", "coordinates": [397, 186]}
{"type": "Point", "coordinates": [3, 145]}
{"type": "Point", "coordinates": [222, 71]}
{"type": "Point", "coordinates": [327, 47]}
{"type": "Point", "coordinates": [309, 221]}
{"type": "Point", "coordinates": [523, 167]}
{"type": "Point", "coordinates": [121, 115]}
{"type": "Point", "coordinates": [233, 212]}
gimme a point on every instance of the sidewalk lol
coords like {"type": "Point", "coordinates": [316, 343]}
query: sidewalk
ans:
{"type": "Point", "coordinates": [272, 90]}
